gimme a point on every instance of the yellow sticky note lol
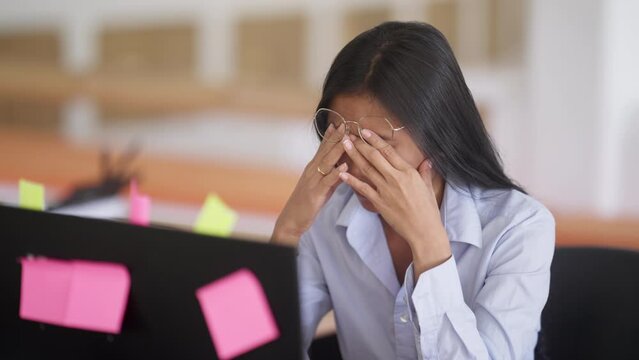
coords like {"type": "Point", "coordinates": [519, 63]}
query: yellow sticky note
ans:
{"type": "Point", "coordinates": [215, 218]}
{"type": "Point", "coordinates": [31, 195]}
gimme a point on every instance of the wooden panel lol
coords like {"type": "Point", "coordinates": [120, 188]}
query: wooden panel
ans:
{"type": "Point", "coordinates": [506, 30]}
{"type": "Point", "coordinates": [271, 51]}
{"type": "Point", "coordinates": [443, 16]}
{"type": "Point", "coordinates": [36, 115]}
{"type": "Point", "coordinates": [167, 50]}
{"type": "Point", "coordinates": [152, 95]}
{"type": "Point", "coordinates": [360, 20]}
{"type": "Point", "coordinates": [40, 48]}
{"type": "Point", "coordinates": [32, 96]}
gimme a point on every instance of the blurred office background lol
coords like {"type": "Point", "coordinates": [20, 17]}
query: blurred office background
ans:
{"type": "Point", "coordinates": [219, 97]}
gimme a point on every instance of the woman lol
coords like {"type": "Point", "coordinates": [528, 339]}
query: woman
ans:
{"type": "Point", "coordinates": [405, 222]}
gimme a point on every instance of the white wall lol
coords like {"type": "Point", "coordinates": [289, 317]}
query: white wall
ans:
{"type": "Point", "coordinates": [564, 77]}
{"type": "Point", "coordinates": [584, 95]}
{"type": "Point", "coordinates": [619, 118]}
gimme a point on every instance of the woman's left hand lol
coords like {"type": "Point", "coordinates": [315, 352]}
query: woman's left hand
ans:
{"type": "Point", "coordinates": [403, 196]}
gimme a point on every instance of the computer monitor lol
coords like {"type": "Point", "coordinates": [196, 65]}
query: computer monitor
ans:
{"type": "Point", "coordinates": [163, 319]}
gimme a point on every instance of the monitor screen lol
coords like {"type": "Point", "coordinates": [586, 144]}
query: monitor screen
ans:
{"type": "Point", "coordinates": [163, 318]}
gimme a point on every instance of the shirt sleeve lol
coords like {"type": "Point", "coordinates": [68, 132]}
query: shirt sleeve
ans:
{"type": "Point", "coordinates": [315, 301]}
{"type": "Point", "coordinates": [504, 319]}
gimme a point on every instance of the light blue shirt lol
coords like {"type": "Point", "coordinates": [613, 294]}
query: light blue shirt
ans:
{"type": "Point", "coordinates": [485, 302]}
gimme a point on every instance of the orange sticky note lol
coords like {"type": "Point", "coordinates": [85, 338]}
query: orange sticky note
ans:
{"type": "Point", "coordinates": [79, 294]}
{"type": "Point", "coordinates": [237, 314]}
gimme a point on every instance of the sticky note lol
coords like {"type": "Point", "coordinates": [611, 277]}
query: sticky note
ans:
{"type": "Point", "coordinates": [215, 218]}
{"type": "Point", "coordinates": [44, 291]}
{"type": "Point", "coordinates": [237, 314]}
{"type": "Point", "coordinates": [78, 294]}
{"type": "Point", "coordinates": [31, 195]}
{"type": "Point", "coordinates": [98, 296]}
{"type": "Point", "coordinates": [139, 206]}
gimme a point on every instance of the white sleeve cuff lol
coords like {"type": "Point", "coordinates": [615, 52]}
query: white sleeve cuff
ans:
{"type": "Point", "coordinates": [437, 290]}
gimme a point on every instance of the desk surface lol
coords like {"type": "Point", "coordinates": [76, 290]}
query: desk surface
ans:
{"type": "Point", "coordinates": [46, 158]}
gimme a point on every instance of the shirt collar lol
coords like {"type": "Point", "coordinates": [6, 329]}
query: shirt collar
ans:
{"type": "Point", "coordinates": [346, 215]}
{"type": "Point", "coordinates": [459, 214]}
{"type": "Point", "coordinates": [365, 234]}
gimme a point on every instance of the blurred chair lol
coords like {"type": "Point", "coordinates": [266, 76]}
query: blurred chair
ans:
{"type": "Point", "coordinates": [593, 308]}
{"type": "Point", "coordinates": [325, 348]}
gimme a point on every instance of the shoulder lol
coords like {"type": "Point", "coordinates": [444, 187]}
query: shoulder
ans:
{"type": "Point", "coordinates": [510, 207]}
{"type": "Point", "coordinates": [517, 230]}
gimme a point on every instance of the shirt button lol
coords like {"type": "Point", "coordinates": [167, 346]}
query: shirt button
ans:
{"type": "Point", "coordinates": [403, 318]}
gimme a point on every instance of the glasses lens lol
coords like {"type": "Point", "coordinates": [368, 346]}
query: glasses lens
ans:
{"type": "Point", "coordinates": [325, 117]}
{"type": "Point", "coordinates": [379, 125]}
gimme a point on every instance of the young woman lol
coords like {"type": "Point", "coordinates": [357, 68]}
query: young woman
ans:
{"type": "Point", "coordinates": [405, 222]}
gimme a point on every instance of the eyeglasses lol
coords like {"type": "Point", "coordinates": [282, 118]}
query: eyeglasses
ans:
{"type": "Point", "coordinates": [380, 124]}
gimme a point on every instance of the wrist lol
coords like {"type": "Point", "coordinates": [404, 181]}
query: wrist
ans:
{"type": "Point", "coordinates": [430, 251]}
{"type": "Point", "coordinates": [286, 234]}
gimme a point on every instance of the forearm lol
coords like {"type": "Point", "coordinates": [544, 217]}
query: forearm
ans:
{"type": "Point", "coordinates": [284, 240]}
{"type": "Point", "coordinates": [283, 235]}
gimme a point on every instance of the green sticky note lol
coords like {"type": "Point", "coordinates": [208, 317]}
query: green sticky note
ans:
{"type": "Point", "coordinates": [31, 195]}
{"type": "Point", "coordinates": [215, 218]}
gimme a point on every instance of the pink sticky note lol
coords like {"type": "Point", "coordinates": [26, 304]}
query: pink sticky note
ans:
{"type": "Point", "coordinates": [140, 210]}
{"type": "Point", "coordinates": [139, 206]}
{"type": "Point", "coordinates": [44, 293]}
{"type": "Point", "coordinates": [98, 296]}
{"type": "Point", "coordinates": [237, 314]}
{"type": "Point", "coordinates": [73, 293]}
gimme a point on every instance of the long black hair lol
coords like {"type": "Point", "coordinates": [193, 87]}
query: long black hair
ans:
{"type": "Point", "coordinates": [410, 69]}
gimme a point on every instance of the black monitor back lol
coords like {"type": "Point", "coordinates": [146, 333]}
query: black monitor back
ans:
{"type": "Point", "coordinates": [163, 319]}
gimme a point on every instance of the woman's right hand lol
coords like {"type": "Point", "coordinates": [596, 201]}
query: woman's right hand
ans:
{"type": "Point", "coordinates": [312, 190]}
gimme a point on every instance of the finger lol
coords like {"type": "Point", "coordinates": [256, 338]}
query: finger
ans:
{"type": "Point", "coordinates": [331, 157]}
{"type": "Point", "coordinates": [328, 132]}
{"type": "Point", "coordinates": [358, 159]}
{"type": "Point", "coordinates": [385, 149]}
{"type": "Point", "coordinates": [331, 140]}
{"type": "Point", "coordinates": [331, 180]}
{"type": "Point", "coordinates": [374, 157]}
{"type": "Point", "coordinates": [361, 188]}
{"type": "Point", "coordinates": [425, 170]}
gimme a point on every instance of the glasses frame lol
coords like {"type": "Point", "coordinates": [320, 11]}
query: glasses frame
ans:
{"type": "Point", "coordinates": [347, 128]}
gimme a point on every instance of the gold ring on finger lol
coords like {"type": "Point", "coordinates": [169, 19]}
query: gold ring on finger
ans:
{"type": "Point", "coordinates": [319, 170]}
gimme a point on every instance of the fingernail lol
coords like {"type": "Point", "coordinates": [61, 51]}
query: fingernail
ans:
{"type": "Point", "coordinates": [348, 144]}
{"type": "Point", "coordinates": [343, 176]}
{"type": "Point", "coordinates": [330, 129]}
{"type": "Point", "coordinates": [340, 127]}
{"type": "Point", "coordinates": [366, 133]}
{"type": "Point", "coordinates": [352, 137]}
{"type": "Point", "coordinates": [342, 167]}
{"type": "Point", "coordinates": [430, 164]}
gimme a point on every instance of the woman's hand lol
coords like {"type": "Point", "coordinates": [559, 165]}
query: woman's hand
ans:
{"type": "Point", "coordinates": [403, 196]}
{"type": "Point", "coordinates": [315, 187]}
